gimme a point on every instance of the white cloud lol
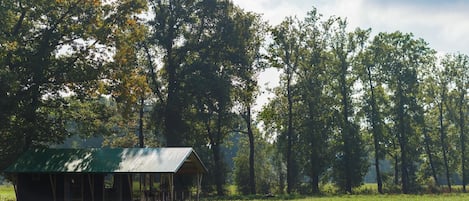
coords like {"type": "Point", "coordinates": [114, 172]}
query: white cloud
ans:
{"type": "Point", "coordinates": [275, 11]}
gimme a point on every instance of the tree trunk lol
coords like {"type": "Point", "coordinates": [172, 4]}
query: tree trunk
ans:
{"type": "Point", "coordinates": [37, 79]}
{"type": "Point", "coordinates": [219, 179]}
{"type": "Point", "coordinates": [376, 132]}
{"type": "Point", "coordinates": [140, 124]}
{"type": "Point", "coordinates": [315, 161]}
{"type": "Point", "coordinates": [346, 134]}
{"type": "Point", "coordinates": [443, 145]}
{"type": "Point", "coordinates": [252, 178]}
{"type": "Point", "coordinates": [462, 138]}
{"type": "Point", "coordinates": [281, 177]}
{"type": "Point", "coordinates": [173, 109]}
{"type": "Point", "coordinates": [402, 139]}
{"type": "Point", "coordinates": [396, 169]}
{"type": "Point", "coordinates": [220, 170]}
{"type": "Point", "coordinates": [429, 153]}
{"type": "Point", "coordinates": [290, 179]}
{"type": "Point", "coordinates": [315, 184]}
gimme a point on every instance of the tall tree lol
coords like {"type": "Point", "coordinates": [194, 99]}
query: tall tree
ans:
{"type": "Point", "coordinates": [222, 72]}
{"type": "Point", "coordinates": [285, 52]}
{"type": "Point", "coordinates": [457, 66]}
{"type": "Point", "coordinates": [401, 57]}
{"type": "Point", "coordinates": [351, 163]}
{"type": "Point", "coordinates": [252, 31]}
{"type": "Point", "coordinates": [53, 47]}
{"type": "Point", "coordinates": [317, 113]}
{"type": "Point", "coordinates": [372, 81]}
{"type": "Point", "coordinates": [441, 99]}
{"type": "Point", "coordinates": [168, 29]}
{"type": "Point", "coordinates": [273, 116]}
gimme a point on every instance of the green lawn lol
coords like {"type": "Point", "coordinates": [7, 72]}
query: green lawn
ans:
{"type": "Point", "coordinates": [443, 197]}
{"type": "Point", "coordinates": [7, 194]}
{"type": "Point", "coordinates": [394, 197]}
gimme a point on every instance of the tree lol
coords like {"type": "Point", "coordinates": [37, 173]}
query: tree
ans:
{"type": "Point", "coordinates": [400, 57]}
{"type": "Point", "coordinates": [53, 47]}
{"type": "Point", "coordinates": [263, 165]}
{"type": "Point", "coordinates": [351, 161]}
{"type": "Point", "coordinates": [373, 82]}
{"type": "Point", "coordinates": [221, 73]}
{"type": "Point", "coordinates": [457, 66]}
{"type": "Point", "coordinates": [246, 88]}
{"type": "Point", "coordinates": [273, 116]}
{"type": "Point", "coordinates": [168, 30]}
{"type": "Point", "coordinates": [440, 96]}
{"type": "Point", "coordinates": [285, 54]}
{"type": "Point", "coordinates": [317, 113]}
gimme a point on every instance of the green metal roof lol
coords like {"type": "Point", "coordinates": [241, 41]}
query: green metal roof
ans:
{"type": "Point", "coordinates": [109, 160]}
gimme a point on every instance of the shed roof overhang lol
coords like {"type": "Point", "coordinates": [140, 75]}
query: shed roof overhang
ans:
{"type": "Point", "coordinates": [109, 160]}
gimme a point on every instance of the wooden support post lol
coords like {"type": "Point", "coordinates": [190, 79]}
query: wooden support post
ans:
{"type": "Point", "coordinates": [91, 182]}
{"type": "Point", "coordinates": [53, 184]}
{"type": "Point", "coordinates": [171, 186]}
{"type": "Point", "coordinates": [120, 187]}
{"type": "Point", "coordinates": [199, 185]}
{"type": "Point", "coordinates": [129, 178]}
{"type": "Point", "coordinates": [82, 187]}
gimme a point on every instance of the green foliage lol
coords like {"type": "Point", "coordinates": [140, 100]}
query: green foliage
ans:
{"type": "Point", "coordinates": [52, 48]}
{"type": "Point", "coordinates": [263, 166]}
{"type": "Point", "coordinates": [188, 77]}
{"type": "Point", "coordinates": [401, 58]}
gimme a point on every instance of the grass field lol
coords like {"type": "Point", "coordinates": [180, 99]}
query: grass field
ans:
{"type": "Point", "coordinates": [394, 197]}
{"type": "Point", "coordinates": [7, 194]}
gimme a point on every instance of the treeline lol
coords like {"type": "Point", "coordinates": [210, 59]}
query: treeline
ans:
{"type": "Point", "coordinates": [184, 73]}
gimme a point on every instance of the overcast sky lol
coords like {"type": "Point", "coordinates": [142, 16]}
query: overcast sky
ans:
{"type": "Point", "coordinates": [444, 24]}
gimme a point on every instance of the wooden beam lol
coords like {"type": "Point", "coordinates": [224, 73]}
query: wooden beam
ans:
{"type": "Point", "coordinates": [199, 184]}
{"type": "Point", "coordinates": [171, 186]}
{"type": "Point", "coordinates": [91, 182]}
{"type": "Point", "coordinates": [129, 178]}
{"type": "Point", "coordinates": [82, 187]}
{"type": "Point", "coordinates": [53, 184]}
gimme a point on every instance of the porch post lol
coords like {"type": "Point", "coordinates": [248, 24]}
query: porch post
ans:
{"type": "Point", "coordinates": [53, 184]}
{"type": "Point", "coordinates": [199, 184]}
{"type": "Point", "coordinates": [91, 182]}
{"type": "Point", "coordinates": [171, 185]}
{"type": "Point", "coordinates": [129, 177]}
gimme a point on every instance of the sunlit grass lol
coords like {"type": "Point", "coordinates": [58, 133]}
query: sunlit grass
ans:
{"type": "Point", "coordinates": [7, 193]}
{"type": "Point", "coordinates": [434, 197]}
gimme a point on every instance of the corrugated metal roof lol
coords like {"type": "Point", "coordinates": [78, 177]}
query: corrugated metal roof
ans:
{"type": "Point", "coordinates": [107, 160]}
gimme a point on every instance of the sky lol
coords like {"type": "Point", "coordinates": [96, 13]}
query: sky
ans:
{"type": "Point", "coordinates": [444, 24]}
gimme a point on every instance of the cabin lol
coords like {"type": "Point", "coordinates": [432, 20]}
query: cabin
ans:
{"type": "Point", "coordinates": [107, 174]}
